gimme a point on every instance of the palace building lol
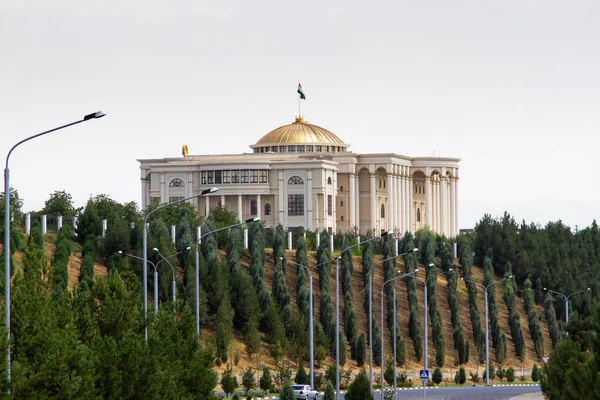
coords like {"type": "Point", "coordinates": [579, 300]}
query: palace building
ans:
{"type": "Point", "coordinates": [304, 175]}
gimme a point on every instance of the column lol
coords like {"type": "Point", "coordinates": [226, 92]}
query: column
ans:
{"type": "Point", "coordinates": [246, 237]}
{"type": "Point", "coordinates": [27, 223]}
{"type": "Point", "coordinates": [207, 206]}
{"type": "Point", "coordinates": [173, 233]}
{"type": "Point", "coordinates": [58, 223]}
{"type": "Point", "coordinates": [104, 226]}
{"type": "Point", "coordinates": [258, 206]}
{"type": "Point", "coordinates": [223, 201]}
{"type": "Point", "coordinates": [352, 200]}
{"type": "Point", "coordinates": [456, 223]}
{"type": "Point", "coordinates": [289, 242]}
{"type": "Point", "coordinates": [309, 215]}
{"type": "Point", "coordinates": [391, 198]}
{"type": "Point", "coordinates": [436, 202]}
{"type": "Point", "coordinates": [443, 211]}
{"type": "Point", "coordinates": [403, 202]}
{"type": "Point", "coordinates": [411, 214]}
{"type": "Point", "coordinates": [318, 226]}
{"type": "Point", "coordinates": [144, 191]}
{"type": "Point", "coordinates": [428, 201]}
{"type": "Point", "coordinates": [240, 215]}
{"type": "Point", "coordinates": [43, 223]}
{"type": "Point", "coordinates": [357, 205]}
{"type": "Point", "coordinates": [373, 222]}
{"type": "Point", "coordinates": [281, 206]}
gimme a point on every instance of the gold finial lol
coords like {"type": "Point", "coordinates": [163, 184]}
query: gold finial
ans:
{"type": "Point", "coordinates": [299, 120]}
{"type": "Point", "coordinates": [184, 150]}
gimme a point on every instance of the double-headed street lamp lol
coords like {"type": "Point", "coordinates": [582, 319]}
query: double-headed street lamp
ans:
{"type": "Point", "coordinates": [337, 309]}
{"type": "Point", "coordinates": [382, 335]}
{"type": "Point", "coordinates": [310, 316]}
{"type": "Point", "coordinates": [487, 344]}
{"type": "Point", "coordinates": [96, 115]}
{"type": "Point", "coordinates": [425, 308]}
{"type": "Point", "coordinates": [166, 259]}
{"type": "Point", "coordinates": [370, 285]}
{"type": "Point", "coordinates": [567, 302]}
{"type": "Point", "coordinates": [145, 249]}
{"type": "Point", "coordinates": [155, 280]}
{"type": "Point", "coordinates": [198, 244]}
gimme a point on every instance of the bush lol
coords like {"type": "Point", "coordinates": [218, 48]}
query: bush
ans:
{"type": "Point", "coordinates": [535, 373]}
{"type": "Point", "coordinates": [475, 377]}
{"type": "Point", "coordinates": [437, 376]}
{"type": "Point", "coordinates": [287, 393]}
{"type": "Point", "coordinates": [266, 383]}
{"type": "Point", "coordinates": [301, 375]}
{"type": "Point", "coordinates": [359, 389]}
{"type": "Point", "coordinates": [510, 374]}
{"type": "Point", "coordinates": [462, 376]}
{"type": "Point", "coordinates": [329, 392]}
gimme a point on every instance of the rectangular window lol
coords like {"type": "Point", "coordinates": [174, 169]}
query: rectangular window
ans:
{"type": "Point", "coordinates": [295, 204]}
{"type": "Point", "coordinates": [235, 176]}
{"type": "Point", "coordinates": [291, 149]}
{"type": "Point", "coordinates": [218, 177]}
{"type": "Point", "coordinates": [263, 176]}
{"type": "Point", "coordinates": [300, 148]}
{"type": "Point", "coordinates": [211, 177]}
{"type": "Point", "coordinates": [275, 149]}
{"type": "Point", "coordinates": [267, 149]}
{"type": "Point", "coordinates": [227, 176]}
{"type": "Point", "coordinates": [172, 199]}
{"type": "Point", "coordinates": [244, 176]}
{"type": "Point", "coordinates": [342, 203]}
{"type": "Point", "coordinates": [203, 174]}
{"type": "Point", "coordinates": [318, 148]}
{"type": "Point", "coordinates": [309, 148]}
{"type": "Point", "coordinates": [341, 188]}
{"type": "Point", "coordinates": [329, 204]}
{"type": "Point", "coordinates": [253, 176]}
{"type": "Point", "coordinates": [282, 149]}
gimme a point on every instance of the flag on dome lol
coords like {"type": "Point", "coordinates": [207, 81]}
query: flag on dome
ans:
{"type": "Point", "coordinates": [301, 92]}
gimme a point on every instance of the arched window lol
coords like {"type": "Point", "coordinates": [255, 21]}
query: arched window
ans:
{"type": "Point", "coordinates": [329, 181]}
{"type": "Point", "coordinates": [267, 209]}
{"type": "Point", "coordinates": [382, 211]}
{"type": "Point", "coordinates": [418, 215]}
{"type": "Point", "coordinates": [176, 183]}
{"type": "Point", "coordinates": [253, 207]}
{"type": "Point", "coordinates": [295, 180]}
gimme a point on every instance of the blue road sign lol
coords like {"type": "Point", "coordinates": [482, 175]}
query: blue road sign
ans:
{"type": "Point", "coordinates": [424, 374]}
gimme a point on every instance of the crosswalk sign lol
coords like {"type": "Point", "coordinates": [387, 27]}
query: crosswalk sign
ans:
{"type": "Point", "coordinates": [424, 374]}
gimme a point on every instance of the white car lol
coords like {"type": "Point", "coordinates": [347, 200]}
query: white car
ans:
{"type": "Point", "coordinates": [305, 392]}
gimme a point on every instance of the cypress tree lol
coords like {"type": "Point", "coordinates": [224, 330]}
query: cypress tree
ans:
{"type": "Point", "coordinates": [553, 329]}
{"type": "Point", "coordinates": [414, 322]}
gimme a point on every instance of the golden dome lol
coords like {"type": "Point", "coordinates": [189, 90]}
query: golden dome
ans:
{"type": "Point", "coordinates": [300, 132]}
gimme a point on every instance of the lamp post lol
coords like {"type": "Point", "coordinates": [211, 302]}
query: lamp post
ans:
{"type": "Point", "coordinates": [370, 285]}
{"type": "Point", "coordinates": [96, 115]}
{"type": "Point", "coordinates": [198, 244]}
{"type": "Point", "coordinates": [567, 302]}
{"type": "Point", "coordinates": [337, 309]}
{"type": "Point", "coordinates": [155, 280]}
{"type": "Point", "coordinates": [382, 335]}
{"type": "Point", "coordinates": [166, 259]}
{"type": "Point", "coordinates": [145, 249]}
{"type": "Point", "coordinates": [487, 344]}
{"type": "Point", "coordinates": [425, 308]}
{"type": "Point", "coordinates": [310, 317]}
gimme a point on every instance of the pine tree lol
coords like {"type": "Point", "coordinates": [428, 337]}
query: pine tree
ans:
{"type": "Point", "coordinates": [287, 393]}
{"type": "Point", "coordinates": [266, 383]}
{"type": "Point", "coordinates": [228, 382]}
{"type": "Point", "coordinates": [359, 389]}
{"type": "Point", "coordinates": [89, 222]}
{"type": "Point", "coordinates": [301, 377]}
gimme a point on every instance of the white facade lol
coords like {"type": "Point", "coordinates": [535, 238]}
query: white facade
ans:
{"type": "Point", "coordinates": [312, 180]}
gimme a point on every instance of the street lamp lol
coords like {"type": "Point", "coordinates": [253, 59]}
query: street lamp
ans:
{"type": "Point", "coordinates": [370, 285]}
{"type": "Point", "coordinates": [382, 335]}
{"type": "Point", "coordinates": [155, 281]}
{"type": "Point", "coordinates": [487, 345]}
{"type": "Point", "coordinates": [567, 303]}
{"type": "Point", "coordinates": [310, 317]}
{"type": "Point", "coordinates": [337, 309]}
{"type": "Point", "coordinates": [172, 267]}
{"type": "Point", "coordinates": [96, 115]}
{"type": "Point", "coordinates": [198, 244]}
{"type": "Point", "coordinates": [425, 308]}
{"type": "Point", "coordinates": [145, 249]}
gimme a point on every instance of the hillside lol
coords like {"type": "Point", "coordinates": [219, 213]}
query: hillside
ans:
{"type": "Point", "coordinates": [358, 286]}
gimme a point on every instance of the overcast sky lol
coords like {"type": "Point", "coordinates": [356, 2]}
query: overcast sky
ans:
{"type": "Point", "coordinates": [510, 87]}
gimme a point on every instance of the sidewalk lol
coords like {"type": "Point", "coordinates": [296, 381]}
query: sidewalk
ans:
{"type": "Point", "coordinates": [530, 396]}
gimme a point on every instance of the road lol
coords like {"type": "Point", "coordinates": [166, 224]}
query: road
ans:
{"type": "Point", "coordinates": [459, 393]}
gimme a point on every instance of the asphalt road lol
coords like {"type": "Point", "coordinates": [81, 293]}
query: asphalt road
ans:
{"type": "Point", "coordinates": [459, 393]}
